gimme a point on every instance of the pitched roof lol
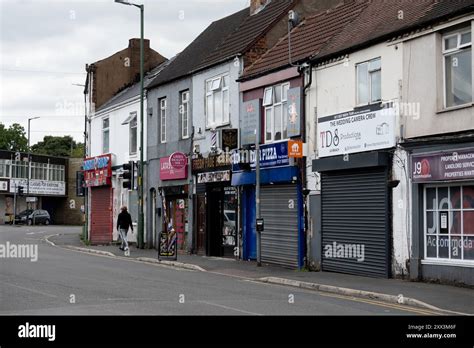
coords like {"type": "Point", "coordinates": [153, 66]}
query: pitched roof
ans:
{"type": "Point", "coordinates": [353, 24]}
{"type": "Point", "coordinates": [252, 28]}
{"type": "Point", "coordinates": [193, 55]}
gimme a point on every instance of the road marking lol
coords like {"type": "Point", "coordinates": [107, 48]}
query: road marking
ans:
{"type": "Point", "coordinates": [231, 308]}
{"type": "Point", "coordinates": [36, 232]}
{"type": "Point", "coordinates": [31, 290]}
{"type": "Point", "coordinates": [383, 304]}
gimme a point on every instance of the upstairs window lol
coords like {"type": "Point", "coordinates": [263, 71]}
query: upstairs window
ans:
{"type": "Point", "coordinates": [275, 101]}
{"type": "Point", "coordinates": [184, 112]}
{"type": "Point", "coordinates": [369, 82]}
{"type": "Point", "coordinates": [162, 103]}
{"type": "Point", "coordinates": [133, 133]}
{"type": "Point", "coordinates": [105, 135]}
{"type": "Point", "coordinates": [217, 101]}
{"type": "Point", "coordinates": [457, 60]}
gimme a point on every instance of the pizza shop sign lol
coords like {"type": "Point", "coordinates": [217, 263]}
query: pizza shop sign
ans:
{"type": "Point", "coordinates": [98, 171]}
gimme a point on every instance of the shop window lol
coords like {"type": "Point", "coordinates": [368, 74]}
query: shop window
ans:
{"type": "Point", "coordinates": [369, 82]}
{"type": "Point", "coordinates": [275, 101]}
{"type": "Point", "coordinates": [217, 101]}
{"type": "Point", "coordinates": [457, 61]}
{"type": "Point", "coordinates": [449, 222]}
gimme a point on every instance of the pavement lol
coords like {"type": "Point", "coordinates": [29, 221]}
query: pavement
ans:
{"type": "Point", "coordinates": [437, 297]}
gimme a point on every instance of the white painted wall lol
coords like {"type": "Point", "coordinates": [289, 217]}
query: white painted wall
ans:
{"type": "Point", "coordinates": [199, 94]}
{"type": "Point", "coordinates": [334, 91]}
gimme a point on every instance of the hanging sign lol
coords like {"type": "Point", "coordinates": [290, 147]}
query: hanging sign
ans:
{"type": "Point", "coordinates": [178, 160]}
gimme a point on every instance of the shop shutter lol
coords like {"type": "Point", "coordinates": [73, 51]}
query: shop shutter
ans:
{"type": "Point", "coordinates": [101, 215]}
{"type": "Point", "coordinates": [355, 211]}
{"type": "Point", "coordinates": [279, 209]}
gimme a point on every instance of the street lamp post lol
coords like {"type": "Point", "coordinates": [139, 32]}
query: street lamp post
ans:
{"type": "Point", "coordinates": [141, 164]}
{"type": "Point", "coordinates": [29, 158]}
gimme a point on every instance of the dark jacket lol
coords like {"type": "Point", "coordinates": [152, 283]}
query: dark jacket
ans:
{"type": "Point", "coordinates": [124, 221]}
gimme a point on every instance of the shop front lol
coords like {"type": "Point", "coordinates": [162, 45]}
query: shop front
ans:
{"type": "Point", "coordinates": [443, 213]}
{"type": "Point", "coordinates": [98, 179]}
{"type": "Point", "coordinates": [356, 170]}
{"type": "Point", "coordinates": [174, 193]}
{"type": "Point", "coordinates": [216, 206]}
{"type": "Point", "coordinates": [281, 205]}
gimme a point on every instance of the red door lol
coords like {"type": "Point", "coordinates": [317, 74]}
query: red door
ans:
{"type": "Point", "coordinates": [101, 215]}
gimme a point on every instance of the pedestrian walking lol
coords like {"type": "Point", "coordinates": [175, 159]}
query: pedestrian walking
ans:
{"type": "Point", "coordinates": [124, 222]}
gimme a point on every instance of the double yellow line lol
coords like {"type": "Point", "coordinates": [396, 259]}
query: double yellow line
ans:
{"type": "Point", "coordinates": [384, 304]}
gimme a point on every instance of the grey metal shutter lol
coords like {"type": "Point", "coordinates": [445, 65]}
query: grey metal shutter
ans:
{"type": "Point", "coordinates": [355, 211]}
{"type": "Point", "coordinates": [280, 237]}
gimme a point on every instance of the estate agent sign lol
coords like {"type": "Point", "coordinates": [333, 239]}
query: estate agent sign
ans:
{"type": "Point", "coordinates": [454, 165]}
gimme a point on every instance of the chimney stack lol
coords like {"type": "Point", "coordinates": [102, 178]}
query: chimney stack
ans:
{"type": "Point", "coordinates": [257, 5]}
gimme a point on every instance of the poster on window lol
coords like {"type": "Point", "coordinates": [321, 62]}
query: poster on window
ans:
{"type": "Point", "coordinates": [366, 129]}
{"type": "Point", "coordinates": [294, 112]}
{"type": "Point", "coordinates": [249, 122]}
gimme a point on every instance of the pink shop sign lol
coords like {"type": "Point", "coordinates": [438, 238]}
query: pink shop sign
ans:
{"type": "Point", "coordinates": [167, 172]}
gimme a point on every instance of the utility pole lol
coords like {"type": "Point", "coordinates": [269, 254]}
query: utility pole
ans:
{"type": "Point", "coordinates": [141, 169]}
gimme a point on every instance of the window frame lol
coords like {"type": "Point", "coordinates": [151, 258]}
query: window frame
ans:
{"type": "Point", "coordinates": [369, 81]}
{"type": "Point", "coordinates": [274, 103]}
{"type": "Point", "coordinates": [184, 112]}
{"type": "Point", "coordinates": [133, 126]}
{"type": "Point", "coordinates": [106, 130]}
{"type": "Point", "coordinates": [437, 260]}
{"type": "Point", "coordinates": [448, 52]}
{"type": "Point", "coordinates": [163, 105]}
{"type": "Point", "coordinates": [210, 92]}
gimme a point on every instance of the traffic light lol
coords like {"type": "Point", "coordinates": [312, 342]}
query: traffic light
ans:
{"type": "Point", "coordinates": [20, 190]}
{"type": "Point", "coordinates": [129, 175]}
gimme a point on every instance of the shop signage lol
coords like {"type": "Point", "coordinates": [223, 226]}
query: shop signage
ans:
{"type": "Point", "coordinates": [178, 160]}
{"type": "Point", "coordinates": [455, 165]}
{"type": "Point", "coordinates": [271, 156]}
{"type": "Point", "coordinates": [220, 176]}
{"type": "Point", "coordinates": [167, 172]}
{"type": "Point", "coordinates": [211, 163]}
{"type": "Point", "coordinates": [249, 121]}
{"type": "Point", "coordinates": [294, 112]}
{"type": "Point", "coordinates": [229, 139]}
{"type": "Point", "coordinates": [295, 149]}
{"type": "Point", "coordinates": [367, 129]}
{"type": "Point", "coordinates": [98, 171]}
{"type": "Point", "coordinates": [3, 185]}
{"type": "Point", "coordinates": [40, 187]}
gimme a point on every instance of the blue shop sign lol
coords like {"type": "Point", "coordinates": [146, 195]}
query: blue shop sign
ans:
{"type": "Point", "coordinates": [271, 156]}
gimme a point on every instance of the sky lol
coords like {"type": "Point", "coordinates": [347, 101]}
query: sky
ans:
{"type": "Point", "coordinates": [45, 45]}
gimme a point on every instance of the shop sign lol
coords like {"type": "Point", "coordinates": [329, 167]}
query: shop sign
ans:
{"type": "Point", "coordinates": [271, 156]}
{"type": "Point", "coordinates": [229, 139]}
{"type": "Point", "coordinates": [295, 149]}
{"type": "Point", "coordinates": [40, 187]}
{"type": "Point", "coordinates": [249, 121]}
{"type": "Point", "coordinates": [3, 185]}
{"type": "Point", "coordinates": [220, 176]}
{"type": "Point", "coordinates": [367, 129]}
{"type": "Point", "coordinates": [98, 171]}
{"type": "Point", "coordinates": [294, 112]}
{"type": "Point", "coordinates": [455, 165]}
{"type": "Point", "coordinates": [178, 160]}
{"type": "Point", "coordinates": [167, 172]}
{"type": "Point", "coordinates": [211, 163]}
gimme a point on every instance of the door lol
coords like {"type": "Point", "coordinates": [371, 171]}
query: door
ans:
{"type": "Point", "coordinates": [249, 233]}
{"type": "Point", "coordinates": [215, 222]}
{"type": "Point", "coordinates": [355, 222]}
{"type": "Point", "coordinates": [201, 224]}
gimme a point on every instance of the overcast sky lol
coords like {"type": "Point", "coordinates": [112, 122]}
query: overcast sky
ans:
{"type": "Point", "coordinates": [45, 44]}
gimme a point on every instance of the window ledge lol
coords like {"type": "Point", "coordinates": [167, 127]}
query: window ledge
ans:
{"type": "Point", "coordinates": [454, 108]}
{"type": "Point", "coordinates": [442, 262]}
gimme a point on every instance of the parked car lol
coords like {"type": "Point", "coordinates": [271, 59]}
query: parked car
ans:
{"type": "Point", "coordinates": [33, 217]}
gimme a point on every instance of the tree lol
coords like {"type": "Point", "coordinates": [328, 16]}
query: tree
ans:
{"type": "Point", "coordinates": [64, 146]}
{"type": "Point", "coordinates": [13, 138]}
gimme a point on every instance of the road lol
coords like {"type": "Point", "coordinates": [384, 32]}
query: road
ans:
{"type": "Point", "coordinates": [66, 282]}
